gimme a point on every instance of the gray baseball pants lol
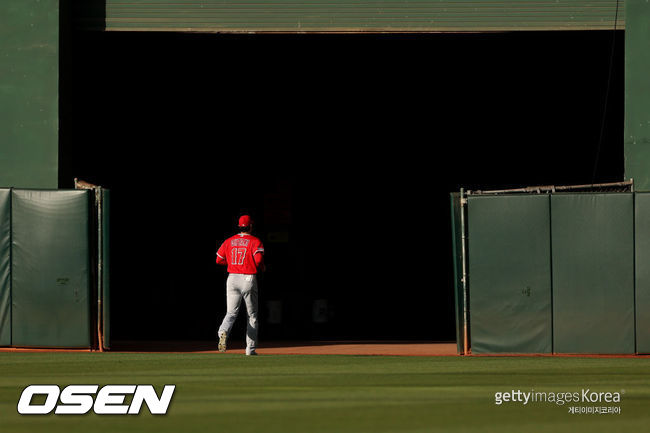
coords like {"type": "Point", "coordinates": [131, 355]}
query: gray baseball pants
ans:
{"type": "Point", "coordinates": [238, 287]}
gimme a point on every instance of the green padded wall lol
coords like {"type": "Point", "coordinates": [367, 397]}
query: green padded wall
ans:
{"type": "Point", "coordinates": [50, 268]}
{"type": "Point", "coordinates": [510, 274]}
{"type": "Point", "coordinates": [456, 247]}
{"type": "Point", "coordinates": [593, 273]}
{"type": "Point", "coordinates": [642, 270]}
{"type": "Point", "coordinates": [5, 267]}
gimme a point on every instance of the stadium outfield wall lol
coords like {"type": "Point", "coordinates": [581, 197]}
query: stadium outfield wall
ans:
{"type": "Point", "coordinates": [29, 93]}
{"type": "Point", "coordinates": [560, 273]}
{"type": "Point", "coordinates": [53, 279]}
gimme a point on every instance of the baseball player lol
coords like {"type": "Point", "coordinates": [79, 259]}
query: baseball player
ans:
{"type": "Point", "coordinates": [243, 253]}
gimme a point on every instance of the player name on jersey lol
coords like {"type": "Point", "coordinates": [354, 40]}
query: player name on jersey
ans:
{"type": "Point", "coordinates": [239, 242]}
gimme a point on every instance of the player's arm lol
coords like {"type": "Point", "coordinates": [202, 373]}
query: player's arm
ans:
{"type": "Point", "coordinates": [221, 255]}
{"type": "Point", "coordinates": [258, 257]}
{"type": "Point", "coordinates": [259, 261]}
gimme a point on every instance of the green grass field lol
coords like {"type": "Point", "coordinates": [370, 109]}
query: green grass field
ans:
{"type": "Point", "coordinates": [233, 393]}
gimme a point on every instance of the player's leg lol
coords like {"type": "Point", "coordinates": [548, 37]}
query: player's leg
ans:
{"type": "Point", "coordinates": [249, 294]}
{"type": "Point", "coordinates": [233, 300]}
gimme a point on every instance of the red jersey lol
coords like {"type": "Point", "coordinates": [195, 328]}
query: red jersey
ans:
{"type": "Point", "coordinates": [241, 253]}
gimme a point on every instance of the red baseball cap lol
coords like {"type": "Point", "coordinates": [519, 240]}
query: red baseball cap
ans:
{"type": "Point", "coordinates": [245, 221]}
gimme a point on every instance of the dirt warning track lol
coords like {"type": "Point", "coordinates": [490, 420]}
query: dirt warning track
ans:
{"type": "Point", "coordinates": [359, 348]}
{"type": "Point", "coordinates": [379, 348]}
{"type": "Point", "coordinates": [300, 348]}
